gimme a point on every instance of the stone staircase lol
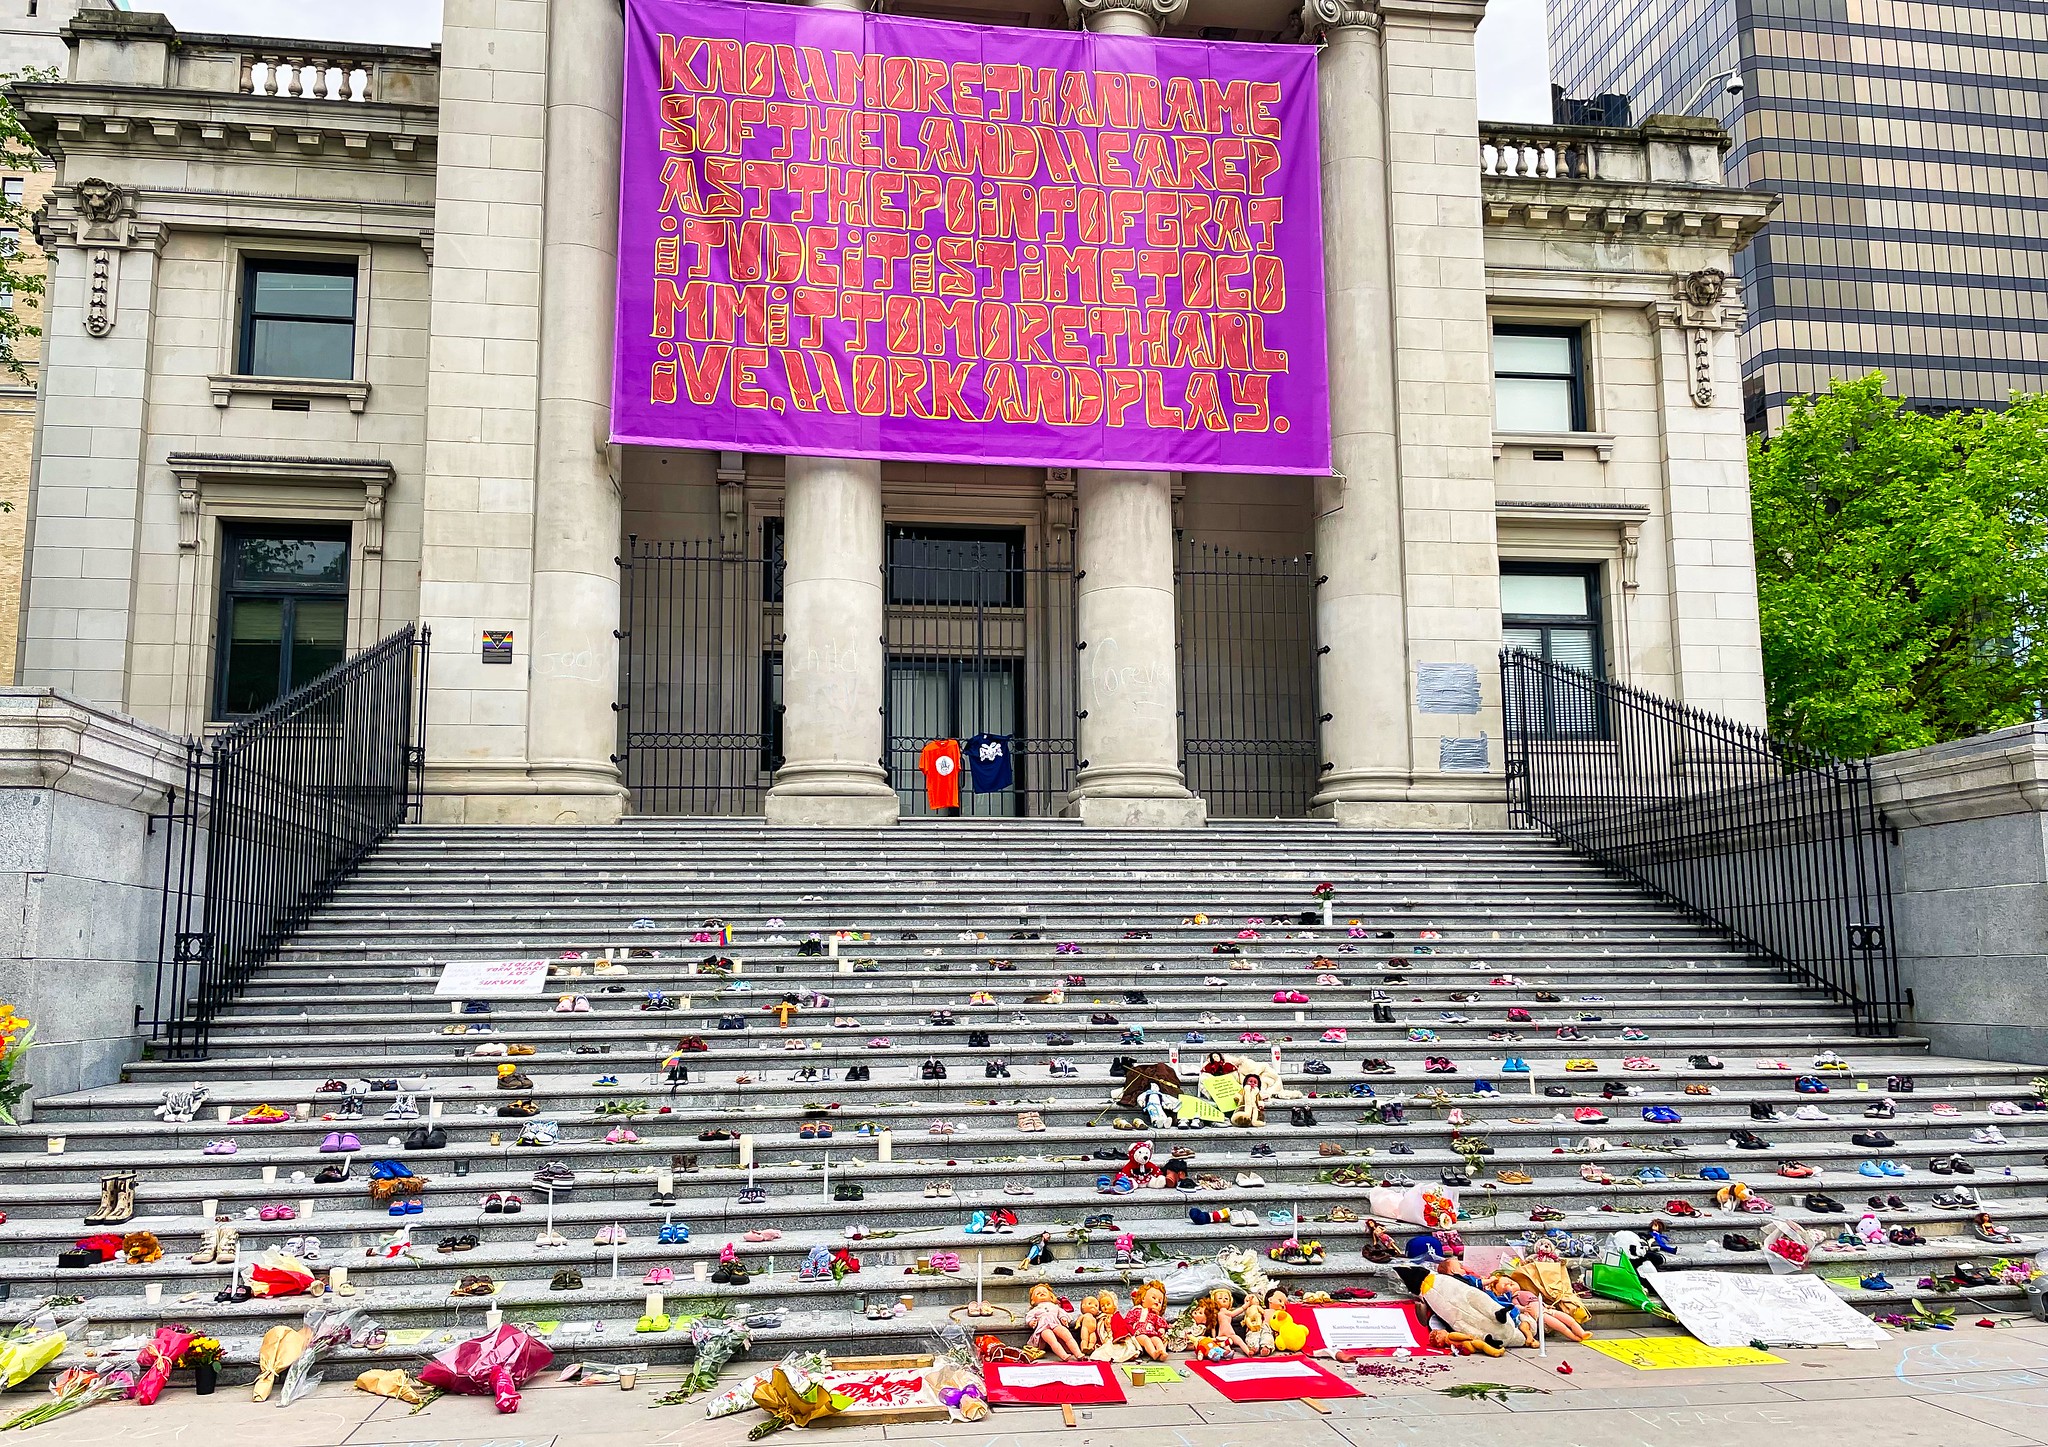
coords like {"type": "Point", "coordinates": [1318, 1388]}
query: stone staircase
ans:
{"type": "Point", "coordinates": [352, 998]}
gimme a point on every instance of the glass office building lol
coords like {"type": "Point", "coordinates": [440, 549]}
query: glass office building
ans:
{"type": "Point", "coordinates": [1908, 141]}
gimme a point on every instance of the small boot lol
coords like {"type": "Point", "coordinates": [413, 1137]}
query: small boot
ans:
{"type": "Point", "coordinates": [209, 1248]}
{"type": "Point", "coordinates": [226, 1245]}
{"type": "Point", "coordinates": [117, 1200]}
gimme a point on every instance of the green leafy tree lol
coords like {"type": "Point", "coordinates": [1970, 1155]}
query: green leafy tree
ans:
{"type": "Point", "coordinates": [1902, 569]}
{"type": "Point", "coordinates": [18, 153]}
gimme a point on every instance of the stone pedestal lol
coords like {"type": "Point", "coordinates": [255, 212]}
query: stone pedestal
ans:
{"type": "Point", "coordinates": [81, 880]}
{"type": "Point", "coordinates": [833, 662]}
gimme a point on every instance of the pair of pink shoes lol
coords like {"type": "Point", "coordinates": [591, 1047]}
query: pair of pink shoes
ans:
{"type": "Point", "coordinates": [618, 1135]}
{"type": "Point", "coordinates": [278, 1213]}
{"type": "Point", "coordinates": [1289, 997]}
{"type": "Point", "coordinates": [659, 1276]}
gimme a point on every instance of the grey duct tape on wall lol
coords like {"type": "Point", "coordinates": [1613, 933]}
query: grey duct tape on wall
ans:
{"type": "Point", "coordinates": [1446, 688]}
{"type": "Point", "coordinates": [1462, 756]}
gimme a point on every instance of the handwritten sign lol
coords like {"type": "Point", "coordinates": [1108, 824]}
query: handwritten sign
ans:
{"type": "Point", "coordinates": [861, 235]}
{"type": "Point", "coordinates": [492, 979]}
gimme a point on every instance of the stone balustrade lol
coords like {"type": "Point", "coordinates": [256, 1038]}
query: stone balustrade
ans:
{"type": "Point", "coordinates": [1664, 149]}
{"type": "Point", "coordinates": [127, 49]}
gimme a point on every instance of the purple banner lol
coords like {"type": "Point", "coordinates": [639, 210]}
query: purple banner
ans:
{"type": "Point", "coordinates": [851, 235]}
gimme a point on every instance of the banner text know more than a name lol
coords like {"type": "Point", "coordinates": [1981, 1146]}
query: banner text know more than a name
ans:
{"type": "Point", "coordinates": [857, 235]}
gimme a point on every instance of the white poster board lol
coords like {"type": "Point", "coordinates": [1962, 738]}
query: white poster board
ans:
{"type": "Point", "coordinates": [1730, 1309]}
{"type": "Point", "coordinates": [1261, 1371]}
{"type": "Point", "coordinates": [492, 979]}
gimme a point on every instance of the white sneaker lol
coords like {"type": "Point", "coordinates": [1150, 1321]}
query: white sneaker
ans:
{"type": "Point", "coordinates": [1810, 1112]}
{"type": "Point", "coordinates": [1988, 1135]}
{"type": "Point", "coordinates": [1250, 1178]}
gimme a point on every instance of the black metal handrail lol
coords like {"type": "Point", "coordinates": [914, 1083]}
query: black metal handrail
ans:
{"type": "Point", "coordinates": [1780, 845]}
{"type": "Point", "coordinates": [276, 811]}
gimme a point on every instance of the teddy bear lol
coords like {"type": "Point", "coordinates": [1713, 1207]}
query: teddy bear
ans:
{"type": "Point", "coordinates": [1140, 1169]}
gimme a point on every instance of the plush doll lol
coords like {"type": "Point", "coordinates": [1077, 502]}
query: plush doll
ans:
{"type": "Point", "coordinates": [1530, 1307]}
{"type": "Point", "coordinates": [1147, 1319]}
{"type": "Point", "coordinates": [1153, 1103]}
{"type": "Point", "coordinates": [1258, 1331]}
{"type": "Point", "coordinates": [1049, 1321]}
{"type": "Point", "coordinates": [1140, 1168]}
{"type": "Point", "coordinates": [1544, 1273]}
{"type": "Point", "coordinates": [1459, 1306]}
{"type": "Point", "coordinates": [1289, 1335]}
{"type": "Point", "coordinates": [1250, 1109]}
{"type": "Point", "coordinates": [1462, 1344]}
{"type": "Point", "coordinates": [1216, 1315]}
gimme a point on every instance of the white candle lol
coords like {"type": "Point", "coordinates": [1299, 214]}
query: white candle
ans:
{"type": "Point", "coordinates": [433, 1110]}
{"type": "Point", "coordinates": [306, 1209]}
{"type": "Point", "coordinates": [337, 1277]}
{"type": "Point", "coordinates": [746, 1152]}
{"type": "Point", "coordinates": [1327, 920]}
{"type": "Point", "coordinates": [665, 1182]}
{"type": "Point", "coordinates": [493, 1318]}
{"type": "Point", "coordinates": [886, 1146]}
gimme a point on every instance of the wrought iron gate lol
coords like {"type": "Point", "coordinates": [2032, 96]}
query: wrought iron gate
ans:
{"type": "Point", "coordinates": [1249, 738]}
{"type": "Point", "coordinates": [978, 642]}
{"type": "Point", "coordinates": [700, 675]}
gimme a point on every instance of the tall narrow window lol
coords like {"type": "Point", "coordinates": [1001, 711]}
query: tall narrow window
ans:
{"type": "Point", "coordinates": [1539, 380]}
{"type": "Point", "coordinates": [298, 319]}
{"type": "Point", "coordinates": [283, 613]}
{"type": "Point", "coordinates": [1553, 611]}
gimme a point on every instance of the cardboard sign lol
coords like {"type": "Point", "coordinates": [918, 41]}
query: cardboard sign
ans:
{"type": "Point", "coordinates": [1659, 1353]}
{"type": "Point", "coordinates": [492, 979]}
{"type": "Point", "coordinates": [1272, 1379]}
{"type": "Point", "coordinates": [1367, 1326]}
{"type": "Point", "coordinates": [1053, 1384]}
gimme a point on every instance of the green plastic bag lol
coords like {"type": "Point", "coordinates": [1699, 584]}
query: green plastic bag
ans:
{"type": "Point", "coordinates": [21, 1357]}
{"type": "Point", "coordinates": [1618, 1281]}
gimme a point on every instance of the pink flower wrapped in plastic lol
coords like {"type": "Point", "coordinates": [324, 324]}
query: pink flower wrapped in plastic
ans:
{"type": "Point", "coordinates": [156, 1359]}
{"type": "Point", "coordinates": [496, 1364]}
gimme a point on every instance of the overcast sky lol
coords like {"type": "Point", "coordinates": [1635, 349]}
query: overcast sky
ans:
{"type": "Point", "coordinates": [1512, 85]}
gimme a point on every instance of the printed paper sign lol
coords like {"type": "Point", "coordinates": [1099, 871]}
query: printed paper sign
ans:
{"type": "Point", "coordinates": [1053, 1374]}
{"type": "Point", "coordinates": [1727, 1309]}
{"type": "Point", "coordinates": [860, 235]}
{"type": "Point", "coordinates": [1258, 1371]}
{"type": "Point", "coordinates": [492, 979]}
{"type": "Point", "coordinates": [1367, 1327]}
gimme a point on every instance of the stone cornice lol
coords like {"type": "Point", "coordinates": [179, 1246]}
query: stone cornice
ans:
{"type": "Point", "coordinates": [1994, 774]}
{"type": "Point", "coordinates": [49, 740]}
{"type": "Point", "coordinates": [1157, 13]}
{"type": "Point", "coordinates": [65, 116]}
{"type": "Point", "coordinates": [1725, 215]}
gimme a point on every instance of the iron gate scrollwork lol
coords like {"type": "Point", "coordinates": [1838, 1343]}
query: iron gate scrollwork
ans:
{"type": "Point", "coordinates": [1250, 742]}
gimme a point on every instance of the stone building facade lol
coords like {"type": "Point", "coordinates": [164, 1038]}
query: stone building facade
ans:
{"type": "Point", "coordinates": [329, 352]}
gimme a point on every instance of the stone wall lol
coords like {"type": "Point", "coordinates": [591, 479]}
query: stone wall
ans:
{"type": "Point", "coordinates": [17, 430]}
{"type": "Point", "coordinates": [1970, 879]}
{"type": "Point", "coordinates": [81, 876]}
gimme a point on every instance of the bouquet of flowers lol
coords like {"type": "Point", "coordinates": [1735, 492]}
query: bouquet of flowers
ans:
{"type": "Point", "coordinates": [1324, 891]}
{"type": "Point", "coordinates": [326, 1326]}
{"type": "Point", "coordinates": [71, 1391]}
{"type": "Point", "coordinates": [202, 1351]}
{"type": "Point", "coordinates": [16, 1035]}
{"type": "Point", "coordinates": [28, 1348]}
{"type": "Point", "coordinates": [158, 1355]}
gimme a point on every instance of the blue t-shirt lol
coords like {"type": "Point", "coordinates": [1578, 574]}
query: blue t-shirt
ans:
{"type": "Point", "coordinates": [988, 758]}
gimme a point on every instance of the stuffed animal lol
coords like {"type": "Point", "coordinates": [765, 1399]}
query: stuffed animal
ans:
{"type": "Point", "coordinates": [1462, 1343]}
{"type": "Point", "coordinates": [1153, 1103]}
{"type": "Point", "coordinates": [1460, 1307]}
{"type": "Point", "coordinates": [1049, 1321]}
{"type": "Point", "coordinates": [1140, 1169]}
{"type": "Point", "coordinates": [1251, 1111]}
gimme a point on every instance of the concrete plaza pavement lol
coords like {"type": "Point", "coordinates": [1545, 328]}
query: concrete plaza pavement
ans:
{"type": "Point", "coordinates": [1972, 1385]}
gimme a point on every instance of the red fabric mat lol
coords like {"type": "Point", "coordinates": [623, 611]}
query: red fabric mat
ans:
{"type": "Point", "coordinates": [1012, 1386]}
{"type": "Point", "coordinates": [1293, 1378]}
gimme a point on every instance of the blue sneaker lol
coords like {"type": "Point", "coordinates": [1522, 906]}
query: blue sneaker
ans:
{"type": "Point", "coordinates": [1483, 1087]}
{"type": "Point", "coordinates": [1891, 1168]}
{"type": "Point", "coordinates": [1714, 1173]}
{"type": "Point", "coordinates": [1194, 1037]}
{"type": "Point", "coordinates": [1514, 1065]}
{"type": "Point", "coordinates": [1875, 1282]}
{"type": "Point", "coordinates": [1869, 1168]}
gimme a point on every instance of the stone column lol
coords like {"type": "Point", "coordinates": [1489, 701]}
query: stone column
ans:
{"type": "Point", "coordinates": [1717, 648]}
{"type": "Point", "coordinates": [1129, 693]}
{"type": "Point", "coordinates": [1361, 622]}
{"type": "Point", "coordinates": [572, 730]}
{"type": "Point", "coordinates": [833, 662]}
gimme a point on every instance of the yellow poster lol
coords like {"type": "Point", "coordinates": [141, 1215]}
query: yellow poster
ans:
{"type": "Point", "coordinates": [1654, 1353]}
{"type": "Point", "coordinates": [1225, 1090]}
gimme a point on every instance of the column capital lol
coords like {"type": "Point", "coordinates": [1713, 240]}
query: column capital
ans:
{"type": "Point", "coordinates": [1155, 15]}
{"type": "Point", "coordinates": [1320, 17]}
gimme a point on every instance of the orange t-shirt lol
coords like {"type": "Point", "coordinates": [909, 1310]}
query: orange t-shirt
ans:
{"type": "Point", "coordinates": [940, 763]}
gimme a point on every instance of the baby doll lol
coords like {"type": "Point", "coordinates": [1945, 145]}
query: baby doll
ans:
{"type": "Point", "coordinates": [1216, 1315]}
{"type": "Point", "coordinates": [1258, 1331]}
{"type": "Point", "coordinates": [1049, 1321]}
{"type": "Point", "coordinates": [1148, 1320]}
{"type": "Point", "coordinates": [1529, 1306]}
{"type": "Point", "coordinates": [1289, 1335]}
{"type": "Point", "coordinates": [1114, 1339]}
{"type": "Point", "coordinates": [1088, 1328]}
